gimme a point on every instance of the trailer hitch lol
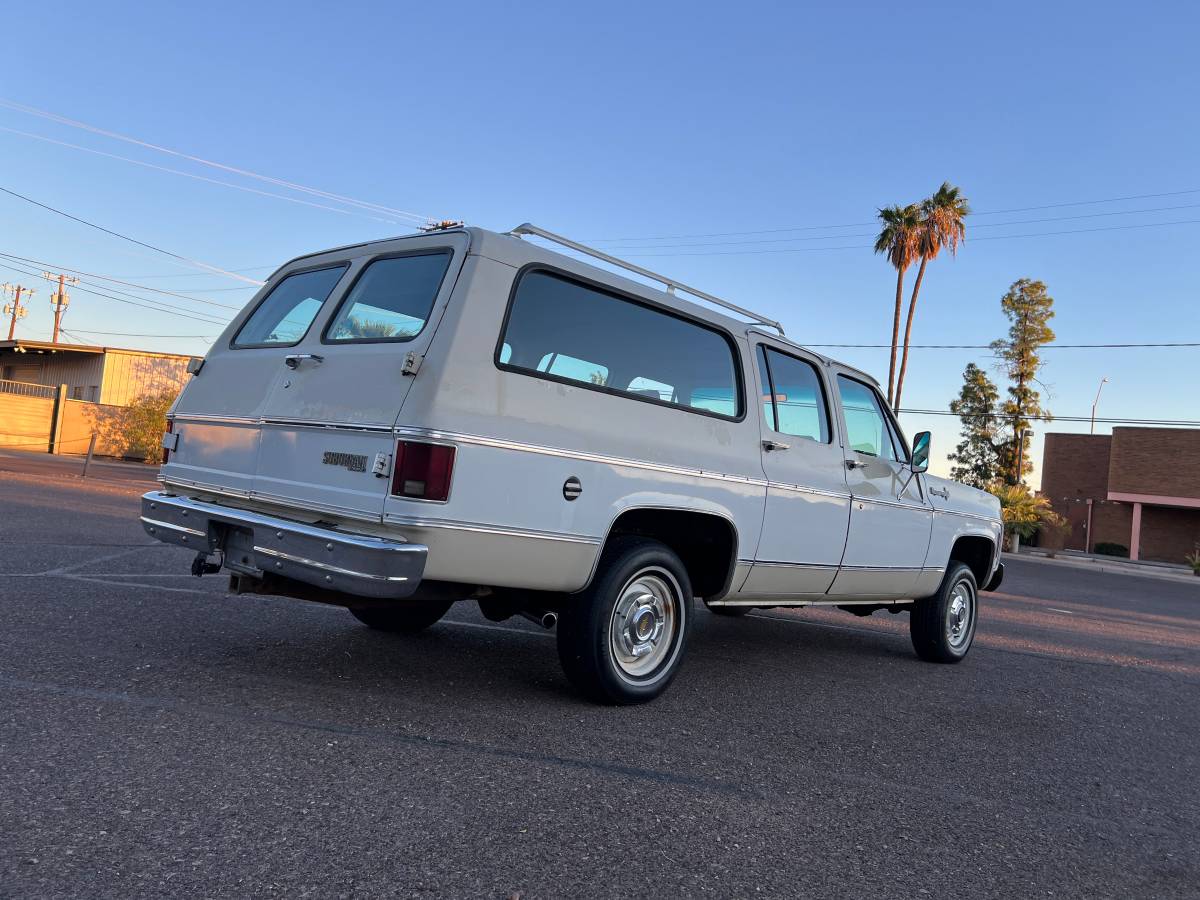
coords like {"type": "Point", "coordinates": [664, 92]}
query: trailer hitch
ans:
{"type": "Point", "coordinates": [202, 566]}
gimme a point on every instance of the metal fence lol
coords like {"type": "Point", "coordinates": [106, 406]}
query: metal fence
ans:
{"type": "Point", "coordinates": [26, 389]}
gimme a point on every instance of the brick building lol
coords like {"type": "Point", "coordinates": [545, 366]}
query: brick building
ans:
{"type": "Point", "coordinates": [1139, 487]}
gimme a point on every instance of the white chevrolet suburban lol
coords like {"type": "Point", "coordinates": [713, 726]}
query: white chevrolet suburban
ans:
{"type": "Point", "coordinates": [459, 414]}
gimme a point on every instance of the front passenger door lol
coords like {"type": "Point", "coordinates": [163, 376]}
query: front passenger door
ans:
{"type": "Point", "coordinates": [890, 517]}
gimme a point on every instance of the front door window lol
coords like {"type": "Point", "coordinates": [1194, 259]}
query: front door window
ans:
{"type": "Point", "coordinates": [867, 428]}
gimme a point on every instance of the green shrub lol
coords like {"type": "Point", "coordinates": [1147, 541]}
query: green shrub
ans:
{"type": "Point", "coordinates": [140, 426]}
{"type": "Point", "coordinates": [1106, 548]}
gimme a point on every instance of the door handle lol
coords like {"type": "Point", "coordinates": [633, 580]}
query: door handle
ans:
{"type": "Point", "coordinates": [293, 360]}
{"type": "Point", "coordinates": [856, 464]}
{"type": "Point", "coordinates": [775, 445]}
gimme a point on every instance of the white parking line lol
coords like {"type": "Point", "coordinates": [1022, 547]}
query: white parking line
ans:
{"type": "Point", "coordinates": [153, 587]}
{"type": "Point", "coordinates": [543, 634]}
{"type": "Point", "coordinates": [62, 570]}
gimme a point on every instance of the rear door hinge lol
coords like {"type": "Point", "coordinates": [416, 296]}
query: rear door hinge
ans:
{"type": "Point", "coordinates": [412, 363]}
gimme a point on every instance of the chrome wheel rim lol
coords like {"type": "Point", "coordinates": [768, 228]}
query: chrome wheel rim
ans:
{"type": "Point", "coordinates": [645, 623]}
{"type": "Point", "coordinates": [960, 615]}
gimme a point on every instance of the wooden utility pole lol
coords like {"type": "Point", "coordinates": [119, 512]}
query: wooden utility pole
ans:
{"type": "Point", "coordinates": [60, 299]}
{"type": "Point", "coordinates": [15, 310]}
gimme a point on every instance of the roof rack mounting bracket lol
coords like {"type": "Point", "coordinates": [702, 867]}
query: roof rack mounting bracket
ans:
{"type": "Point", "coordinates": [670, 284]}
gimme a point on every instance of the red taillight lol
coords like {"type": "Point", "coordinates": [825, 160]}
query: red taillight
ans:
{"type": "Point", "coordinates": [170, 430]}
{"type": "Point", "coordinates": [422, 471]}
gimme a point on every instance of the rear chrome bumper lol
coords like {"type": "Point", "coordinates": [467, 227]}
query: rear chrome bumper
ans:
{"type": "Point", "coordinates": [252, 542]}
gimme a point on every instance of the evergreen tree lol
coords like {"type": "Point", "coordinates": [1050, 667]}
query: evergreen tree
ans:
{"type": "Point", "coordinates": [1028, 308]}
{"type": "Point", "coordinates": [976, 458]}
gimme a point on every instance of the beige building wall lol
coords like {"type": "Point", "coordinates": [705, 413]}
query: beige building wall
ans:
{"type": "Point", "coordinates": [129, 375]}
{"type": "Point", "coordinates": [80, 373]}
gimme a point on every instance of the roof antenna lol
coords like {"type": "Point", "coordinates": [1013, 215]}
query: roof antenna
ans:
{"type": "Point", "coordinates": [442, 225]}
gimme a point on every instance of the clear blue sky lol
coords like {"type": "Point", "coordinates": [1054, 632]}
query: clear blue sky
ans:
{"type": "Point", "coordinates": [617, 121]}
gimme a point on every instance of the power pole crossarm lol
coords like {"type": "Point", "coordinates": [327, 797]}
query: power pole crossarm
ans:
{"type": "Point", "coordinates": [60, 299]}
{"type": "Point", "coordinates": [15, 310]}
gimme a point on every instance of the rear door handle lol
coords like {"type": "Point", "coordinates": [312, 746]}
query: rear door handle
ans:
{"type": "Point", "coordinates": [775, 445]}
{"type": "Point", "coordinates": [293, 360]}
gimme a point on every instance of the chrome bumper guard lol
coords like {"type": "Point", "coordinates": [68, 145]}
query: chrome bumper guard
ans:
{"type": "Point", "coordinates": [253, 543]}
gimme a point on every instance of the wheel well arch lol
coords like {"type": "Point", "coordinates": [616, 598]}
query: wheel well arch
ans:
{"type": "Point", "coordinates": [706, 542]}
{"type": "Point", "coordinates": [977, 551]}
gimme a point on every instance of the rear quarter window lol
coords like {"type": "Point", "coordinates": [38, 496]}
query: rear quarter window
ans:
{"type": "Point", "coordinates": [391, 299]}
{"type": "Point", "coordinates": [565, 330]}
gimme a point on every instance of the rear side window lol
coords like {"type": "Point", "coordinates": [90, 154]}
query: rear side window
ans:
{"type": "Point", "coordinates": [568, 331]}
{"type": "Point", "coordinates": [391, 300]}
{"type": "Point", "coordinates": [283, 317]}
{"type": "Point", "coordinates": [795, 403]}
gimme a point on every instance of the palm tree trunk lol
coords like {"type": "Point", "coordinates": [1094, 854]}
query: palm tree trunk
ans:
{"type": "Point", "coordinates": [912, 308]}
{"type": "Point", "coordinates": [896, 330]}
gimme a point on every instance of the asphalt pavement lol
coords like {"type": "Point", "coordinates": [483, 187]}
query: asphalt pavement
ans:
{"type": "Point", "coordinates": [161, 737]}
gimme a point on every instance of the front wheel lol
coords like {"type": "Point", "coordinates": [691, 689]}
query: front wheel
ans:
{"type": "Point", "coordinates": [621, 641]}
{"type": "Point", "coordinates": [943, 626]}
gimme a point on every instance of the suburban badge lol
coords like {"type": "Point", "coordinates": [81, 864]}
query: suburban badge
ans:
{"type": "Point", "coordinates": [353, 461]}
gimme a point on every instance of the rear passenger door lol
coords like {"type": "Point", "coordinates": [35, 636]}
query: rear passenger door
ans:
{"type": "Point", "coordinates": [808, 507]}
{"type": "Point", "coordinates": [890, 516]}
{"type": "Point", "coordinates": [339, 389]}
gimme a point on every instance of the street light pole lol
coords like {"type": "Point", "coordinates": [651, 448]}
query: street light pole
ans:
{"type": "Point", "coordinates": [1103, 382]}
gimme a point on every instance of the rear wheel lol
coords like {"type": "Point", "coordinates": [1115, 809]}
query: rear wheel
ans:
{"type": "Point", "coordinates": [406, 617]}
{"type": "Point", "coordinates": [943, 626]}
{"type": "Point", "coordinates": [622, 639]}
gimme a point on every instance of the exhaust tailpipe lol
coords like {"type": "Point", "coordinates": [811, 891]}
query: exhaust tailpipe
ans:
{"type": "Point", "coordinates": [543, 617]}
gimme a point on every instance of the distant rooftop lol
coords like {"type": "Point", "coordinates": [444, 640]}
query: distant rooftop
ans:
{"type": "Point", "coordinates": [24, 346]}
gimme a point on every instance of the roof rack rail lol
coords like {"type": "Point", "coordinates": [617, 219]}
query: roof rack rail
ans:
{"type": "Point", "coordinates": [671, 284]}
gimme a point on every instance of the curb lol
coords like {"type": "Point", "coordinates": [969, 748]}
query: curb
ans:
{"type": "Point", "coordinates": [1107, 566]}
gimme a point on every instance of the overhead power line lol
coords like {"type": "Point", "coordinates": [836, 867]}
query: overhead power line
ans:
{"type": "Point", "coordinates": [994, 212]}
{"type": "Point", "coordinates": [1053, 418]}
{"type": "Point", "coordinates": [998, 237]}
{"type": "Point", "coordinates": [833, 237]}
{"type": "Point", "coordinates": [142, 287]}
{"type": "Point", "coordinates": [193, 175]}
{"type": "Point", "coordinates": [147, 304]}
{"type": "Point", "coordinates": [203, 275]}
{"type": "Point", "coordinates": [203, 337]}
{"type": "Point", "coordinates": [989, 346]}
{"type": "Point", "coordinates": [246, 173]}
{"type": "Point", "coordinates": [124, 237]}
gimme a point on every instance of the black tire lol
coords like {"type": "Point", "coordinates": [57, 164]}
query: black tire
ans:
{"type": "Point", "coordinates": [732, 612]}
{"type": "Point", "coordinates": [590, 641]}
{"type": "Point", "coordinates": [935, 636]}
{"type": "Point", "coordinates": [407, 616]}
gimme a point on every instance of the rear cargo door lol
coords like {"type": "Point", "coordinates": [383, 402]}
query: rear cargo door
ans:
{"type": "Point", "coordinates": [326, 439]}
{"type": "Point", "coordinates": [217, 418]}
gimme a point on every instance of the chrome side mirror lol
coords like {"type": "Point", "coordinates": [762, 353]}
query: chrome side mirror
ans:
{"type": "Point", "coordinates": [920, 454]}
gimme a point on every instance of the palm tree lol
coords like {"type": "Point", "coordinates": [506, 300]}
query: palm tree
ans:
{"type": "Point", "coordinates": [941, 227]}
{"type": "Point", "coordinates": [898, 241]}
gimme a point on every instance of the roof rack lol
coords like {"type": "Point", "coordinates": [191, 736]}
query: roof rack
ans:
{"type": "Point", "coordinates": [671, 284]}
